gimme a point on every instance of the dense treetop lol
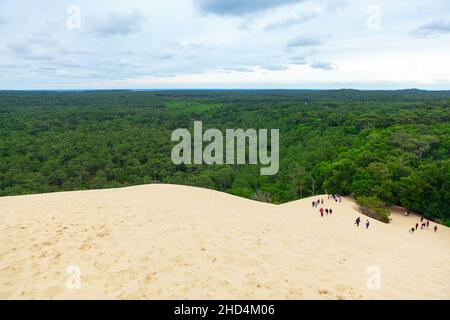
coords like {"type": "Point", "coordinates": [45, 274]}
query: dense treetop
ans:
{"type": "Point", "coordinates": [393, 145]}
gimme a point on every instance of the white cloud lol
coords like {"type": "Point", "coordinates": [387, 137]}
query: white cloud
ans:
{"type": "Point", "coordinates": [322, 65]}
{"type": "Point", "coordinates": [439, 26]}
{"type": "Point", "coordinates": [144, 43]}
{"type": "Point", "coordinates": [239, 7]}
{"type": "Point", "coordinates": [305, 41]}
{"type": "Point", "coordinates": [119, 24]}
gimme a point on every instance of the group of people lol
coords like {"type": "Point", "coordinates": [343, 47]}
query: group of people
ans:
{"type": "Point", "coordinates": [327, 211]}
{"type": "Point", "coordinates": [423, 225]}
{"type": "Point", "coordinates": [315, 204]}
{"type": "Point", "coordinates": [319, 202]}
{"type": "Point", "coordinates": [336, 197]}
{"type": "Point", "coordinates": [358, 221]}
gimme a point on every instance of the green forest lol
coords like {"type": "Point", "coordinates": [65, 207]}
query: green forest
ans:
{"type": "Point", "coordinates": [390, 145]}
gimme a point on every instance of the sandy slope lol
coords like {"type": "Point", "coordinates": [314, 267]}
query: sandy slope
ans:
{"type": "Point", "coordinates": [164, 241]}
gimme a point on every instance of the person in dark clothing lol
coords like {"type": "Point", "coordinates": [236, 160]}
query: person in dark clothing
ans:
{"type": "Point", "coordinates": [331, 211]}
{"type": "Point", "coordinates": [367, 224]}
{"type": "Point", "coordinates": [428, 224]}
{"type": "Point", "coordinates": [417, 226]}
{"type": "Point", "coordinates": [435, 228]}
{"type": "Point", "coordinates": [326, 211]}
{"type": "Point", "coordinates": [412, 230]}
{"type": "Point", "coordinates": [357, 221]}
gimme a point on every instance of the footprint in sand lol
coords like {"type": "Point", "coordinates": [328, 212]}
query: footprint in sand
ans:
{"type": "Point", "coordinates": [48, 243]}
{"type": "Point", "coordinates": [295, 293]}
{"type": "Point", "coordinates": [323, 292]}
{"type": "Point", "coordinates": [103, 233]}
{"type": "Point", "coordinates": [85, 246]}
{"type": "Point", "coordinates": [44, 255]}
{"type": "Point", "coordinates": [150, 277]}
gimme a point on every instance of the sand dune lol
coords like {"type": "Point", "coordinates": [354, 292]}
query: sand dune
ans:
{"type": "Point", "coordinates": [165, 241]}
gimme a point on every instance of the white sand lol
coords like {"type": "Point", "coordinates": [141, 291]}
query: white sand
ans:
{"type": "Point", "coordinates": [165, 241]}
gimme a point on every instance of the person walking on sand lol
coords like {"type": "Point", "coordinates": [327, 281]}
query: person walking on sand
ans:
{"type": "Point", "coordinates": [313, 204]}
{"type": "Point", "coordinates": [331, 211]}
{"type": "Point", "coordinates": [326, 211]}
{"type": "Point", "coordinates": [357, 221]}
{"type": "Point", "coordinates": [367, 224]}
{"type": "Point", "coordinates": [435, 228]}
{"type": "Point", "coordinates": [321, 212]}
{"type": "Point", "coordinates": [417, 226]}
{"type": "Point", "coordinates": [428, 223]}
{"type": "Point", "coordinates": [412, 230]}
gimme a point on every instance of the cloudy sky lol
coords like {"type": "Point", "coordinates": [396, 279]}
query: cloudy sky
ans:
{"type": "Point", "coordinates": [92, 44]}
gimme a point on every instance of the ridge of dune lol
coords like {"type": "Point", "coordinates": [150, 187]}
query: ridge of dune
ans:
{"type": "Point", "coordinates": [177, 242]}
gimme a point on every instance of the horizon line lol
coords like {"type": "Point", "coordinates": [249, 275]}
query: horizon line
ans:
{"type": "Point", "coordinates": [222, 89]}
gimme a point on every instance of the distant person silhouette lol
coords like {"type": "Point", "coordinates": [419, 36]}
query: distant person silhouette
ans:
{"type": "Point", "coordinates": [357, 221]}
